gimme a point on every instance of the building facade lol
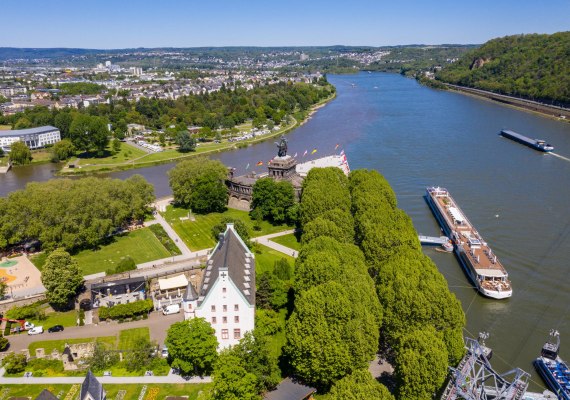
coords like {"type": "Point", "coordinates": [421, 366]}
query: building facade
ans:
{"type": "Point", "coordinates": [226, 297]}
{"type": "Point", "coordinates": [34, 138]}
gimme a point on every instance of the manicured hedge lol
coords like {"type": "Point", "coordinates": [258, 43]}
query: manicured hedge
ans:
{"type": "Point", "coordinates": [121, 311]}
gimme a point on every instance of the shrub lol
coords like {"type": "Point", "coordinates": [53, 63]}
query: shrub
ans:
{"type": "Point", "coordinates": [14, 363]}
{"type": "Point", "coordinates": [81, 317]}
{"type": "Point", "coordinates": [163, 237]}
{"type": "Point", "coordinates": [122, 311]}
{"type": "Point", "coordinates": [3, 343]}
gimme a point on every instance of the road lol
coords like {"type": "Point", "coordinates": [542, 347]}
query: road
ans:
{"type": "Point", "coordinates": [157, 323]}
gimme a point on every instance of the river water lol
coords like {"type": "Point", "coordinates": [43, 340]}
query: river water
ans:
{"type": "Point", "coordinates": [517, 198]}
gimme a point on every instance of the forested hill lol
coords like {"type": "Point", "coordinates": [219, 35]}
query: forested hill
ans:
{"type": "Point", "coordinates": [535, 67]}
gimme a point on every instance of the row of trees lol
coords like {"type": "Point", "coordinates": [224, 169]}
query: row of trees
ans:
{"type": "Point", "coordinates": [72, 214]}
{"type": "Point", "coordinates": [423, 320]}
{"type": "Point", "coordinates": [334, 328]}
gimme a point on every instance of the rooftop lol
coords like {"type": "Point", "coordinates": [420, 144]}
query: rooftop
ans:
{"type": "Point", "coordinates": [30, 131]}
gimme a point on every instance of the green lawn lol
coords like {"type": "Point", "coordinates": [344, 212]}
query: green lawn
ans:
{"type": "Point", "coordinates": [128, 336]}
{"type": "Point", "coordinates": [39, 260]}
{"type": "Point", "coordinates": [289, 240]}
{"type": "Point", "coordinates": [277, 341]}
{"type": "Point", "coordinates": [68, 318]}
{"type": "Point", "coordinates": [141, 245]}
{"type": "Point", "coordinates": [198, 234]}
{"type": "Point", "coordinates": [132, 391]}
{"type": "Point", "coordinates": [127, 153]}
{"type": "Point", "coordinates": [5, 127]}
{"type": "Point", "coordinates": [266, 257]}
{"type": "Point", "coordinates": [49, 345]}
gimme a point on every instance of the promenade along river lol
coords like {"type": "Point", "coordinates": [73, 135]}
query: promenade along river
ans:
{"type": "Point", "coordinates": [517, 198]}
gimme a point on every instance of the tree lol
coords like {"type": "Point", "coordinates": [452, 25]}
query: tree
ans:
{"type": "Point", "coordinates": [62, 150]}
{"type": "Point", "coordinates": [192, 346]}
{"type": "Point", "coordinates": [140, 355]}
{"type": "Point", "coordinates": [1, 152]}
{"type": "Point", "coordinates": [3, 343]}
{"type": "Point", "coordinates": [198, 183]}
{"type": "Point", "coordinates": [421, 364]}
{"type": "Point", "coordinates": [116, 144]}
{"type": "Point", "coordinates": [186, 143]}
{"type": "Point", "coordinates": [14, 363]}
{"type": "Point", "coordinates": [282, 269]}
{"type": "Point", "coordinates": [231, 379]}
{"type": "Point", "coordinates": [126, 264]}
{"type": "Point", "coordinates": [23, 123]}
{"type": "Point", "coordinates": [3, 287]}
{"type": "Point", "coordinates": [102, 358]}
{"type": "Point", "coordinates": [99, 135]}
{"type": "Point", "coordinates": [61, 277]}
{"type": "Point", "coordinates": [239, 226]}
{"type": "Point", "coordinates": [20, 153]}
{"type": "Point", "coordinates": [272, 200]}
{"type": "Point", "coordinates": [359, 385]}
{"type": "Point", "coordinates": [63, 122]}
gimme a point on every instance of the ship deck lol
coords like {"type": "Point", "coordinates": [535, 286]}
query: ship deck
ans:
{"type": "Point", "coordinates": [476, 250]}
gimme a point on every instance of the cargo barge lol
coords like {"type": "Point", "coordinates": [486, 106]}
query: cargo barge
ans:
{"type": "Point", "coordinates": [537, 144]}
{"type": "Point", "coordinates": [552, 368]}
{"type": "Point", "coordinates": [477, 259]}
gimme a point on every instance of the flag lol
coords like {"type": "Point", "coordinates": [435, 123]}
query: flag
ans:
{"type": "Point", "coordinates": [305, 153]}
{"type": "Point", "coordinates": [295, 155]}
{"type": "Point", "coordinates": [259, 163]}
{"type": "Point", "coordinates": [336, 147]}
{"type": "Point", "coordinates": [342, 152]}
{"type": "Point", "coordinates": [247, 166]}
{"type": "Point", "coordinates": [268, 162]}
{"type": "Point", "coordinates": [314, 151]}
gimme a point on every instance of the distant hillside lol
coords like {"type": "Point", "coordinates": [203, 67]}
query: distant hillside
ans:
{"type": "Point", "coordinates": [535, 67]}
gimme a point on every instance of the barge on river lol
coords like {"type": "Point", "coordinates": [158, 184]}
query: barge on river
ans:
{"type": "Point", "coordinates": [476, 257]}
{"type": "Point", "coordinates": [537, 144]}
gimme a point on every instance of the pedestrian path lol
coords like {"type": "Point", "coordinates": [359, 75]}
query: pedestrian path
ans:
{"type": "Point", "coordinates": [266, 241]}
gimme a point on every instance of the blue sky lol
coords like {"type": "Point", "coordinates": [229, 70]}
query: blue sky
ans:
{"type": "Point", "coordinates": [107, 24]}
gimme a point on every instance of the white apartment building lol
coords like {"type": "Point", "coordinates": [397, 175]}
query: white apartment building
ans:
{"type": "Point", "coordinates": [34, 138]}
{"type": "Point", "coordinates": [226, 298]}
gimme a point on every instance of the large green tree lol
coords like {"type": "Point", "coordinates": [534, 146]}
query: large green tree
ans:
{"type": "Point", "coordinates": [20, 153]}
{"type": "Point", "coordinates": [232, 381]}
{"type": "Point", "coordinates": [273, 200]}
{"type": "Point", "coordinates": [359, 385]}
{"type": "Point", "coordinates": [185, 141]}
{"type": "Point", "coordinates": [62, 150]}
{"type": "Point", "coordinates": [192, 346]}
{"type": "Point", "coordinates": [61, 277]}
{"type": "Point", "coordinates": [198, 183]}
{"type": "Point", "coordinates": [140, 355]}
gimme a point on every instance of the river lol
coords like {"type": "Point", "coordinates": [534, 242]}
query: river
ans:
{"type": "Point", "coordinates": [517, 198]}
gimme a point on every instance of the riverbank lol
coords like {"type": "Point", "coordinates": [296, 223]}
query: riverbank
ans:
{"type": "Point", "coordinates": [165, 158]}
{"type": "Point", "coordinates": [558, 113]}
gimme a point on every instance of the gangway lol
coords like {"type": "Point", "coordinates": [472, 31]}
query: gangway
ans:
{"type": "Point", "coordinates": [432, 240]}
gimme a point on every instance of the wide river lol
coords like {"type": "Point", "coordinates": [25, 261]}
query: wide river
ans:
{"type": "Point", "coordinates": [517, 198]}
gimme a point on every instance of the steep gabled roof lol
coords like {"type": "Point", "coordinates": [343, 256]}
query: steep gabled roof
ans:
{"type": "Point", "coordinates": [232, 255]}
{"type": "Point", "coordinates": [46, 395]}
{"type": "Point", "coordinates": [92, 387]}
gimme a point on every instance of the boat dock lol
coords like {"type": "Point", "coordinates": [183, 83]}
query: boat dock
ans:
{"type": "Point", "coordinates": [432, 240]}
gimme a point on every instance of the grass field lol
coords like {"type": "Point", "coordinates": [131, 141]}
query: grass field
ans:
{"type": "Point", "coordinates": [68, 318]}
{"type": "Point", "coordinates": [128, 336]}
{"type": "Point", "coordinates": [141, 245]}
{"type": "Point", "coordinates": [131, 391]}
{"type": "Point", "coordinates": [49, 345]}
{"type": "Point", "coordinates": [198, 234]}
{"type": "Point", "coordinates": [289, 240]}
{"type": "Point", "coordinates": [127, 153]}
{"type": "Point", "coordinates": [266, 258]}
{"type": "Point", "coordinates": [41, 156]}
{"type": "Point", "coordinates": [5, 127]}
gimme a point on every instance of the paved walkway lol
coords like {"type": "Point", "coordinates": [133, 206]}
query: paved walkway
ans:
{"type": "Point", "coordinates": [157, 323]}
{"type": "Point", "coordinates": [265, 240]}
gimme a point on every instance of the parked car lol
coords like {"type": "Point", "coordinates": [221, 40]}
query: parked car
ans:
{"type": "Point", "coordinates": [28, 325]}
{"type": "Point", "coordinates": [164, 352]}
{"type": "Point", "coordinates": [36, 330]}
{"type": "Point", "coordinates": [55, 328]}
{"type": "Point", "coordinates": [171, 309]}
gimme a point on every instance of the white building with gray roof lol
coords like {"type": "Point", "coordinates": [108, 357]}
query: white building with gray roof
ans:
{"type": "Point", "coordinates": [34, 138]}
{"type": "Point", "coordinates": [226, 297]}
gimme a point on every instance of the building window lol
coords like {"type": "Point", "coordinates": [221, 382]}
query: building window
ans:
{"type": "Point", "coordinates": [237, 334]}
{"type": "Point", "coordinates": [225, 308]}
{"type": "Point", "coordinates": [213, 320]}
{"type": "Point", "coordinates": [236, 307]}
{"type": "Point", "coordinates": [213, 308]}
{"type": "Point", "coordinates": [236, 319]}
{"type": "Point", "coordinates": [224, 290]}
{"type": "Point", "coordinates": [225, 320]}
{"type": "Point", "coordinates": [225, 334]}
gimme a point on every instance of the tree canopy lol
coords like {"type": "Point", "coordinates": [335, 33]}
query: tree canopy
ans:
{"type": "Point", "coordinates": [192, 346]}
{"type": "Point", "coordinates": [72, 213]}
{"type": "Point", "coordinates": [61, 277]}
{"type": "Point", "coordinates": [199, 184]}
{"type": "Point", "coordinates": [20, 153]}
{"type": "Point", "coordinates": [273, 200]}
{"type": "Point", "coordinates": [359, 385]}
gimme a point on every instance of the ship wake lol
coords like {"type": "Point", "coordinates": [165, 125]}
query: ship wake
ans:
{"type": "Point", "coordinates": [559, 156]}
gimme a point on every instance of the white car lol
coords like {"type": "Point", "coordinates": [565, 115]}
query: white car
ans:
{"type": "Point", "coordinates": [28, 325]}
{"type": "Point", "coordinates": [36, 330]}
{"type": "Point", "coordinates": [171, 309]}
{"type": "Point", "coordinates": [164, 352]}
